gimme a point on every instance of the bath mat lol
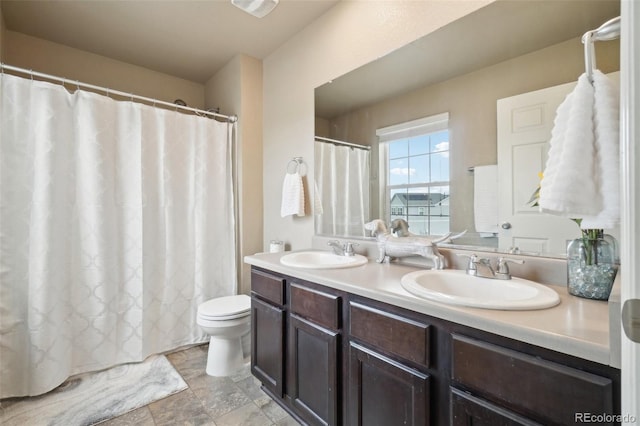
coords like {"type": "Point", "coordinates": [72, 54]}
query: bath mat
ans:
{"type": "Point", "coordinates": [94, 397]}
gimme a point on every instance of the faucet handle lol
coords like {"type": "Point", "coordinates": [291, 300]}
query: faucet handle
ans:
{"type": "Point", "coordinates": [473, 259]}
{"type": "Point", "coordinates": [502, 264]}
{"type": "Point", "coordinates": [348, 248]}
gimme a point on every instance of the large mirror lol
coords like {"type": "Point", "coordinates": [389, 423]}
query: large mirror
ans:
{"type": "Point", "coordinates": [449, 81]}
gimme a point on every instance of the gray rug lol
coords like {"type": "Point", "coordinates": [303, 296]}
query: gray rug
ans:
{"type": "Point", "coordinates": [93, 397]}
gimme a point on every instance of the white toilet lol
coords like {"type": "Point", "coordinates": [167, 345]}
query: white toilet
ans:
{"type": "Point", "coordinates": [226, 320]}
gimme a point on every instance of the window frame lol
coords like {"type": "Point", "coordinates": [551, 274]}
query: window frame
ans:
{"type": "Point", "coordinates": [422, 126]}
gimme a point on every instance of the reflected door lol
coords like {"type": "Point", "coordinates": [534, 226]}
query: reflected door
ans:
{"type": "Point", "coordinates": [524, 130]}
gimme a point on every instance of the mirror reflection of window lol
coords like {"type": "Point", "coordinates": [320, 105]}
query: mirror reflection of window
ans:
{"type": "Point", "coordinates": [415, 159]}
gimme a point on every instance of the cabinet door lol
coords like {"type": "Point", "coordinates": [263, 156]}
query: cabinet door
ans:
{"type": "Point", "coordinates": [467, 410]}
{"type": "Point", "coordinates": [384, 392]}
{"type": "Point", "coordinates": [313, 363]}
{"type": "Point", "coordinates": [267, 345]}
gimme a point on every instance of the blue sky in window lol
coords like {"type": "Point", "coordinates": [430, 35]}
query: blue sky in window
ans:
{"type": "Point", "coordinates": [440, 142]}
{"type": "Point", "coordinates": [399, 148]}
{"type": "Point", "coordinates": [410, 161]}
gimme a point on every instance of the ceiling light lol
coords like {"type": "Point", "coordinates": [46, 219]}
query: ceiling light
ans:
{"type": "Point", "coordinates": [257, 8]}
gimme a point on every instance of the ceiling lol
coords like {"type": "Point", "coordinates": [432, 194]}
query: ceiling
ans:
{"type": "Point", "coordinates": [495, 33]}
{"type": "Point", "coordinates": [184, 38]}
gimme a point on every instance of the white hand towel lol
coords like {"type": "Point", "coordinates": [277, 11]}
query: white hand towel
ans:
{"type": "Point", "coordinates": [485, 199]}
{"type": "Point", "coordinates": [292, 195]}
{"type": "Point", "coordinates": [581, 178]}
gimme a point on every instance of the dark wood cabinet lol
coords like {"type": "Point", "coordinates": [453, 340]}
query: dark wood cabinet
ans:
{"type": "Point", "coordinates": [268, 330]}
{"type": "Point", "coordinates": [543, 390]}
{"type": "Point", "coordinates": [384, 392]}
{"type": "Point", "coordinates": [467, 410]}
{"type": "Point", "coordinates": [333, 358]}
{"type": "Point", "coordinates": [267, 345]}
{"type": "Point", "coordinates": [314, 367]}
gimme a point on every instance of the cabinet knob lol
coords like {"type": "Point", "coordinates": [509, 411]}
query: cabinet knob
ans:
{"type": "Point", "coordinates": [505, 225]}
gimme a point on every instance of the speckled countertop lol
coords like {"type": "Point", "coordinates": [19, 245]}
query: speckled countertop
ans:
{"type": "Point", "coordinates": [578, 327]}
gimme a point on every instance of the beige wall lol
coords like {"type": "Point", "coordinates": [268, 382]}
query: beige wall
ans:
{"type": "Point", "coordinates": [237, 89]}
{"type": "Point", "coordinates": [471, 102]}
{"type": "Point", "coordinates": [349, 35]}
{"type": "Point", "coordinates": [51, 58]}
{"type": "Point", "coordinates": [2, 36]}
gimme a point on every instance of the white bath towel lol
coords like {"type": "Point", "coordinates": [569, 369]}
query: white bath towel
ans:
{"type": "Point", "coordinates": [582, 174]}
{"type": "Point", "coordinates": [607, 133]}
{"type": "Point", "coordinates": [292, 195]}
{"type": "Point", "coordinates": [485, 199]}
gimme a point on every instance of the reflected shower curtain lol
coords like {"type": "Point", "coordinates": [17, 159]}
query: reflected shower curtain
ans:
{"type": "Point", "coordinates": [116, 221]}
{"type": "Point", "coordinates": [342, 184]}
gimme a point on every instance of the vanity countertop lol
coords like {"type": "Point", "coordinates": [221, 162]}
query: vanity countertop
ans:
{"type": "Point", "coordinates": [578, 327]}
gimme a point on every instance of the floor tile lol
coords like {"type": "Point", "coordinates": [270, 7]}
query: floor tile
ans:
{"type": "Point", "coordinates": [247, 415]}
{"type": "Point", "coordinates": [219, 395]}
{"type": "Point", "coordinates": [272, 410]}
{"type": "Point", "coordinates": [181, 408]}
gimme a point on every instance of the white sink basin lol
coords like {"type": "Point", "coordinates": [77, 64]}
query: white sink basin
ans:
{"type": "Point", "coordinates": [321, 260]}
{"type": "Point", "coordinates": [457, 288]}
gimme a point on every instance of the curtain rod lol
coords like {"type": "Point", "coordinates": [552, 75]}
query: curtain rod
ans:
{"type": "Point", "coordinates": [352, 145]}
{"type": "Point", "coordinates": [154, 102]}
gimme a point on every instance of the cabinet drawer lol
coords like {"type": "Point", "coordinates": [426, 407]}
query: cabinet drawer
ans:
{"type": "Point", "coordinates": [469, 410]}
{"type": "Point", "coordinates": [543, 390]}
{"type": "Point", "coordinates": [322, 308]}
{"type": "Point", "coordinates": [394, 334]}
{"type": "Point", "coordinates": [267, 286]}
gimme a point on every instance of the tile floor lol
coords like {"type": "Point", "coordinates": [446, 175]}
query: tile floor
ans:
{"type": "Point", "coordinates": [216, 401]}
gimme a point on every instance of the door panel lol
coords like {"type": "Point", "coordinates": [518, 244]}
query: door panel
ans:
{"type": "Point", "coordinates": [267, 345]}
{"type": "Point", "coordinates": [314, 367]}
{"type": "Point", "coordinates": [524, 129]}
{"type": "Point", "coordinates": [384, 392]}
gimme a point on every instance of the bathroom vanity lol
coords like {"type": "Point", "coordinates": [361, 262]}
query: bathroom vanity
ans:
{"type": "Point", "coordinates": [350, 346]}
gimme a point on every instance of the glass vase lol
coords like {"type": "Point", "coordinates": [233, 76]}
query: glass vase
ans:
{"type": "Point", "coordinates": [591, 265]}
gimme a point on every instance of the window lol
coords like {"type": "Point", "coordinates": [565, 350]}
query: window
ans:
{"type": "Point", "coordinates": [414, 168]}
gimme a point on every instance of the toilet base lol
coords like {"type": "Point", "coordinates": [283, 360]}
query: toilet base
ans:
{"type": "Point", "coordinates": [224, 357]}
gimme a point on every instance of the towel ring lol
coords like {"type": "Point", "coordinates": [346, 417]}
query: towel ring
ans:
{"type": "Point", "coordinates": [296, 161]}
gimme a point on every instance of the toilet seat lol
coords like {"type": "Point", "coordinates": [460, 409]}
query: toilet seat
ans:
{"type": "Point", "coordinates": [225, 308]}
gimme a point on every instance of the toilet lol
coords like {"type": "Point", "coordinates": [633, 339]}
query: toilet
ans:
{"type": "Point", "coordinates": [226, 320]}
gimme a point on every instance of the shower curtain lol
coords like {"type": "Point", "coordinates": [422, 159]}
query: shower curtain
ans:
{"type": "Point", "coordinates": [342, 183]}
{"type": "Point", "coordinates": [116, 221]}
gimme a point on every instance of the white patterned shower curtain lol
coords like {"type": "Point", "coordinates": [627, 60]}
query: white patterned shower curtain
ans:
{"type": "Point", "coordinates": [342, 183]}
{"type": "Point", "coordinates": [116, 221]}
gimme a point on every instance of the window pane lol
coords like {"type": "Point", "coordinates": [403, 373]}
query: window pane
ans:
{"type": "Point", "coordinates": [419, 145]}
{"type": "Point", "coordinates": [420, 169]}
{"type": "Point", "coordinates": [399, 172]}
{"type": "Point", "coordinates": [439, 219]}
{"type": "Point", "coordinates": [398, 148]}
{"type": "Point", "coordinates": [419, 211]}
{"type": "Point", "coordinates": [398, 199]}
{"type": "Point", "coordinates": [440, 141]}
{"type": "Point", "coordinates": [420, 160]}
{"type": "Point", "coordinates": [440, 167]}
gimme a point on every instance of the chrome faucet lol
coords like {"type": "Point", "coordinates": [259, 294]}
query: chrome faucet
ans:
{"type": "Point", "coordinates": [486, 270]}
{"type": "Point", "coordinates": [345, 249]}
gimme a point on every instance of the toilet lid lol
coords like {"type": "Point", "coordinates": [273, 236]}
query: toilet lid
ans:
{"type": "Point", "coordinates": [228, 307]}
